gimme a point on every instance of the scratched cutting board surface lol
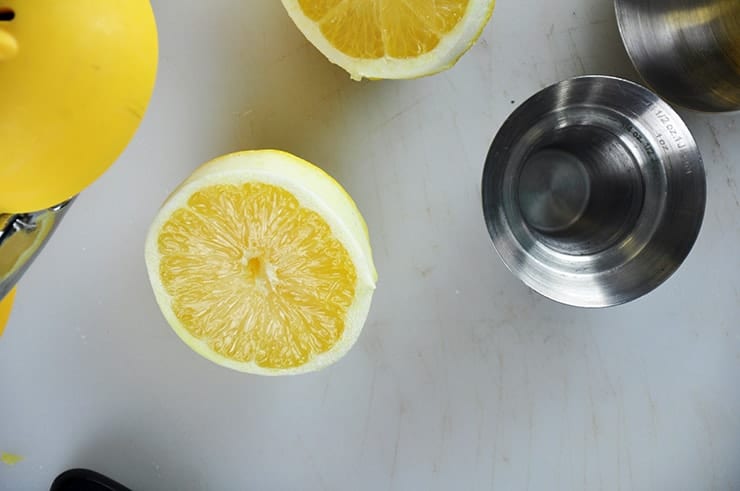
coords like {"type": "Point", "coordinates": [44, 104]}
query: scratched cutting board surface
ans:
{"type": "Point", "coordinates": [462, 379]}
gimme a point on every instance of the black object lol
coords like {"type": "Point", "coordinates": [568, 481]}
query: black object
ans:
{"type": "Point", "coordinates": [85, 480]}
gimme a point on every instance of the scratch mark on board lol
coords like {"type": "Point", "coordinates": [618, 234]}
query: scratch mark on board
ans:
{"type": "Point", "coordinates": [369, 408]}
{"type": "Point", "coordinates": [575, 52]}
{"type": "Point", "coordinates": [394, 468]}
{"type": "Point", "coordinates": [398, 114]}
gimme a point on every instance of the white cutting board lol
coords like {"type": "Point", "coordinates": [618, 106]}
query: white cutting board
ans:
{"type": "Point", "coordinates": [463, 379]}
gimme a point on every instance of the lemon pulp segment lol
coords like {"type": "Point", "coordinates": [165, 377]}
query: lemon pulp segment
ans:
{"type": "Point", "coordinates": [255, 275]}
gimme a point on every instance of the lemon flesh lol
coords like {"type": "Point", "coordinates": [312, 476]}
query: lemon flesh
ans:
{"type": "Point", "coordinates": [261, 262]}
{"type": "Point", "coordinates": [10, 459]}
{"type": "Point", "coordinates": [391, 38]}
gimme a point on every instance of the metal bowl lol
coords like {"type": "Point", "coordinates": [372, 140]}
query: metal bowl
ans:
{"type": "Point", "coordinates": [688, 51]}
{"type": "Point", "coordinates": [594, 191]}
{"type": "Point", "coordinates": [22, 237]}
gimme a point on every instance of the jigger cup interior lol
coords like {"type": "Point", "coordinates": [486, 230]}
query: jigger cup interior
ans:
{"type": "Point", "coordinates": [688, 51]}
{"type": "Point", "coordinates": [594, 191]}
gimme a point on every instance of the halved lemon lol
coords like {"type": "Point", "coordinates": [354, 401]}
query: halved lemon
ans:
{"type": "Point", "coordinates": [392, 39]}
{"type": "Point", "coordinates": [261, 262]}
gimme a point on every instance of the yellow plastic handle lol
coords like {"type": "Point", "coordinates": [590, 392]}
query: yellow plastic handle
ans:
{"type": "Point", "coordinates": [8, 45]}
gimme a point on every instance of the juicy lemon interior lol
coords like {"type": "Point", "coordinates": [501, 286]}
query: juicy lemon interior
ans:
{"type": "Point", "coordinates": [374, 29]}
{"type": "Point", "coordinates": [255, 275]}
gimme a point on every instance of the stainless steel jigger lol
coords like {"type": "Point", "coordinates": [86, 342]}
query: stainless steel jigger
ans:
{"type": "Point", "coordinates": [594, 191]}
{"type": "Point", "coordinates": [688, 51]}
{"type": "Point", "coordinates": [22, 237]}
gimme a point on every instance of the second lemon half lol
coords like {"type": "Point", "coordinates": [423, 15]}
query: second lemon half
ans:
{"type": "Point", "coordinates": [392, 39]}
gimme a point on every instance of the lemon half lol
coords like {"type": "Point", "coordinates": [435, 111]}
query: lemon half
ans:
{"type": "Point", "coordinates": [391, 39]}
{"type": "Point", "coordinates": [261, 262]}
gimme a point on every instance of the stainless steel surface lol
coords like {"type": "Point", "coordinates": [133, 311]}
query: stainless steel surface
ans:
{"type": "Point", "coordinates": [21, 239]}
{"type": "Point", "coordinates": [688, 51]}
{"type": "Point", "coordinates": [594, 191]}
